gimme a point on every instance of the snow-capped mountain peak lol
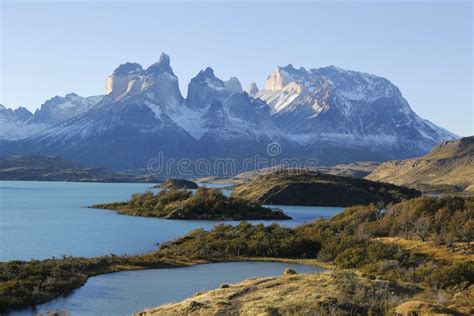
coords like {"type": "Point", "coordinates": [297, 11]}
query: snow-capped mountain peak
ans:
{"type": "Point", "coordinates": [14, 123]}
{"type": "Point", "coordinates": [347, 109]}
{"type": "Point", "coordinates": [59, 109]}
{"type": "Point", "coordinates": [21, 123]}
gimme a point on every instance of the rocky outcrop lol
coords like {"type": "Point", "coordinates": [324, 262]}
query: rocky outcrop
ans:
{"type": "Point", "coordinates": [204, 88]}
{"type": "Point", "coordinates": [252, 89]}
{"type": "Point", "coordinates": [158, 81]}
{"type": "Point", "coordinates": [233, 84]}
{"type": "Point", "coordinates": [278, 80]}
{"type": "Point", "coordinates": [117, 83]}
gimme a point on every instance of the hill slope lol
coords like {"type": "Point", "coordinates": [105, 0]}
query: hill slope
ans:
{"type": "Point", "coordinates": [300, 187]}
{"type": "Point", "coordinates": [449, 164]}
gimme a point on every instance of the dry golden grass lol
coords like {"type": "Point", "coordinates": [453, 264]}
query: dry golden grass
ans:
{"type": "Point", "coordinates": [435, 252]}
{"type": "Point", "coordinates": [288, 294]}
{"type": "Point", "coordinates": [311, 262]}
{"type": "Point", "coordinates": [469, 189]}
{"type": "Point", "coordinates": [305, 294]}
{"type": "Point", "coordinates": [422, 308]}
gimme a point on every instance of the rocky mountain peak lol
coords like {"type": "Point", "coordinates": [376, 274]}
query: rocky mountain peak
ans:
{"type": "Point", "coordinates": [203, 88]}
{"type": "Point", "coordinates": [233, 84]}
{"type": "Point", "coordinates": [161, 66]}
{"type": "Point", "coordinates": [23, 113]}
{"type": "Point", "coordinates": [205, 74]}
{"type": "Point", "coordinates": [276, 81]}
{"type": "Point", "coordinates": [157, 81]}
{"type": "Point", "coordinates": [292, 70]}
{"type": "Point", "coordinates": [127, 69]}
{"type": "Point", "coordinates": [282, 76]}
{"type": "Point", "coordinates": [252, 89]}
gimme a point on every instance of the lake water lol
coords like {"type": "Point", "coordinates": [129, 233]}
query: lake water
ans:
{"type": "Point", "coordinates": [44, 219]}
{"type": "Point", "coordinates": [123, 293]}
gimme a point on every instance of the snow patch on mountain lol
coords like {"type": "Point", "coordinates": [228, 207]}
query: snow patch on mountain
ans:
{"type": "Point", "coordinates": [21, 123]}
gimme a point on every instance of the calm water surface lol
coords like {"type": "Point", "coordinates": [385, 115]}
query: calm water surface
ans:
{"type": "Point", "coordinates": [45, 219]}
{"type": "Point", "coordinates": [123, 293]}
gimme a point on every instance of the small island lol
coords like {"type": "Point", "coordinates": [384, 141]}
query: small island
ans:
{"type": "Point", "coordinates": [204, 204]}
{"type": "Point", "coordinates": [177, 184]}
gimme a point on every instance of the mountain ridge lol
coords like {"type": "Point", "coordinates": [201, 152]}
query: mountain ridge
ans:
{"type": "Point", "coordinates": [336, 115]}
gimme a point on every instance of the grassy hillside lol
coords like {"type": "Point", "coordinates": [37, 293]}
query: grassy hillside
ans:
{"type": "Point", "coordinates": [302, 187]}
{"type": "Point", "coordinates": [448, 167]}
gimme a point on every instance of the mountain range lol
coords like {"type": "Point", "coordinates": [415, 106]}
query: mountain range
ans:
{"type": "Point", "coordinates": [331, 114]}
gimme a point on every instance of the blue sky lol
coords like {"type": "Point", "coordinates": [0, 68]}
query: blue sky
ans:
{"type": "Point", "coordinates": [53, 48]}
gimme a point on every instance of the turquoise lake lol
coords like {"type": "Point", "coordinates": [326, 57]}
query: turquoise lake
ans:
{"type": "Point", "coordinates": [40, 220]}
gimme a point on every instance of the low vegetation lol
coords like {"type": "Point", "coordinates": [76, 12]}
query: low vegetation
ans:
{"type": "Point", "coordinates": [377, 242]}
{"type": "Point", "coordinates": [177, 184]}
{"type": "Point", "coordinates": [204, 204]}
{"type": "Point", "coordinates": [352, 240]}
{"type": "Point", "coordinates": [305, 187]}
{"type": "Point", "coordinates": [243, 240]}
